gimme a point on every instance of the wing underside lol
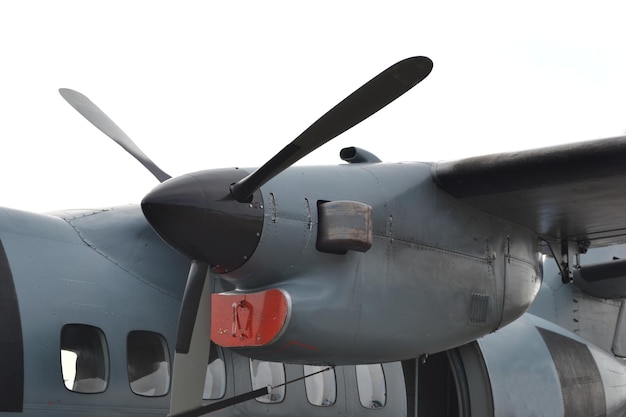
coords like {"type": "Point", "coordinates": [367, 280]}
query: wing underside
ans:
{"type": "Point", "coordinates": [574, 192]}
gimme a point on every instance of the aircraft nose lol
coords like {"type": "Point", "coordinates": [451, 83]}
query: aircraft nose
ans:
{"type": "Point", "coordinates": [196, 215]}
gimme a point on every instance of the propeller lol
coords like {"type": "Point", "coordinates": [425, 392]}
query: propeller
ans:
{"type": "Point", "coordinates": [202, 214]}
{"type": "Point", "coordinates": [100, 120]}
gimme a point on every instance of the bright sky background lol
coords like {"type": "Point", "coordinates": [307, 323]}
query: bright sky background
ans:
{"type": "Point", "coordinates": [201, 84]}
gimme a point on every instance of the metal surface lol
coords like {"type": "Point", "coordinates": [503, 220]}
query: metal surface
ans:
{"type": "Point", "coordinates": [11, 342]}
{"type": "Point", "coordinates": [418, 259]}
{"type": "Point", "coordinates": [581, 383]}
{"type": "Point", "coordinates": [555, 191]}
{"type": "Point", "coordinates": [197, 216]}
{"type": "Point", "coordinates": [103, 275]}
{"type": "Point", "coordinates": [438, 271]}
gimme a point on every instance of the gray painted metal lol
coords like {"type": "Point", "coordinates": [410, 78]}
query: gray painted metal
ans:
{"type": "Point", "coordinates": [523, 378]}
{"type": "Point", "coordinates": [572, 308]}
{"type": "Point", "coordinates": [454, 257]}
{"type": "Point", "coordinates": [117, 286]}
{"type": "Point", "coordinates": [106, 268]}
{"type": "Point", "coordinates": [619, 339]}
{"type": "Point", "coordinates": [581, 383]}
{"type": "Point", "coordinates": [11, 342]}
{"type": "Point", "coordinates": [554, 191]}
{"type": "Point", "coordinates": [429, 249]}
{"type": "Point", "coordinates": [534, 374]}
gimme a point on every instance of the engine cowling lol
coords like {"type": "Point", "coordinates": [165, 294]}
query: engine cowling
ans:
{"type": "Point", "coordinates": [530, 368]}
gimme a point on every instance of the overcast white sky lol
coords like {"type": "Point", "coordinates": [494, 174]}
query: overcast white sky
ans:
{"type": "Point", "coordinates": [201, 84]}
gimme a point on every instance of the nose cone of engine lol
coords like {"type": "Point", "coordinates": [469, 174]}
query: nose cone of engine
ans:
{"type": "Point", "coordinates": [197, 216]}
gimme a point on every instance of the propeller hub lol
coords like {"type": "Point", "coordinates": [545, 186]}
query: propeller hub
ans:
{"type": "Point", "coordinates": [196, 214]}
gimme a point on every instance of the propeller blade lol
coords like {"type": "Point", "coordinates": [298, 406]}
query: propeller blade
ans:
{"type": "Point", "coordinates": [190, 305]}
{"type": "Point", "coordinates": [100, 120]}
{"type": "Point", "coordinates": [358, 106]}
{"type": "Point", "coordinates": [194, 341]}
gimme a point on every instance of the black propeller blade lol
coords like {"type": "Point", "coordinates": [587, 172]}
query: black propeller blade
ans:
{"type": "Point", "coordinates": [100, 120]}
{"type": "Point", "coordinates": [193, 341]}
{"type": "Point", "coordinates": [190, 305]}
{"type": "Point", "coordinates": [358, 106]}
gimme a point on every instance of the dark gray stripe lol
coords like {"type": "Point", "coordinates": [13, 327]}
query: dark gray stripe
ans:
{"type": "Point", "coordinates": [532, 169]}
{"type": "Point", "coordinates": [11, 344]}
{"type": "Point", "coordinates": [581, 383]}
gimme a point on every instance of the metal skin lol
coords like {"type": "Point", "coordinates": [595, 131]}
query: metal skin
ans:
{"type": "Point", "coordinates": [108, 269]}
{"type": "Point", "coordinates": [429, 250]}
{"type": "Point", "coordinates": [104, 268]}
{"type": "Point", "coordinates": [528, 375]}
{"type": "Point", "coordinates": [530, 368]}
{"type": "Point", "coordinates": [449, 260]}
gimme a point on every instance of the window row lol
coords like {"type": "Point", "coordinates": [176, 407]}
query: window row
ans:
{"type": "Point", "coordinates": [320, 383]}
{"type": "Point", "coordinates": [85, 369]}
{"type": "Point", "coordinates": [85, 361]}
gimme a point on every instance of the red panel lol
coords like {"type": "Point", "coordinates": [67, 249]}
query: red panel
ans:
{"type": "Point", "coordinates": [248, 320]}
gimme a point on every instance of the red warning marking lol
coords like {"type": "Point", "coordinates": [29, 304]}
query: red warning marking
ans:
{"type": "Point", "coordinates": [295, 343]}
{"type": "Point", "coordinates": [248, 320]}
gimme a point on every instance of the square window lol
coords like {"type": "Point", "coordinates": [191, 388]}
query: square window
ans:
{"type": "Point", "coordinates": [148, 363]}
{"type": "Point", "coordinates": [265, 374]}
{"type": "Point", "coordinates": [215, 379]}
{"type": "Point", "coordinates": [84, 359]}
{"type": "Point", "coordinates": [321, 388]}
{"type": "Point", "coordinates": [371, 385]}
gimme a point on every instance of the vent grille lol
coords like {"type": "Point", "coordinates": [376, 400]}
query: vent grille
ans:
{"type": "Point", "coordinates": [479, 307]}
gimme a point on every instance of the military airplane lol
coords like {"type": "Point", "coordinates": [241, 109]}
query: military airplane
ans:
{"type": "Point", "coordinates": [364, 288]}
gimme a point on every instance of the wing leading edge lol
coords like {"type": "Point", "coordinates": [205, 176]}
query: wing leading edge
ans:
{"type": "Point", "coordinates": [574, 192]}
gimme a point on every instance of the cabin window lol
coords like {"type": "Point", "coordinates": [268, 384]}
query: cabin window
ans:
{"type": "Point", "coordinates": [265, 374]}
{"type": "Point", "coordinates": [84, 359]}
{"type": "Point", "coordinates": [215, 379]}
{"type": "Point", "coordinates": [321, 388]}
{"type": "Point", "coordinates": [371, 385]}
{"type": "Point", "coordinates": [148, 363]}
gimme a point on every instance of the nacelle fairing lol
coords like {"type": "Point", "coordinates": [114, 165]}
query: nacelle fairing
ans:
{"type": "Point", "coordinates": [425, 284]}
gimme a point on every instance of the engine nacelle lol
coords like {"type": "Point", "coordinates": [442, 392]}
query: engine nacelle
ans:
{"type": "Point", "coordinates": [358, 274]}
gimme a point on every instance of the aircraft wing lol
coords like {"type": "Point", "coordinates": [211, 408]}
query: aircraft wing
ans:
{"type": "Point", "coordinates": [575, 191]}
